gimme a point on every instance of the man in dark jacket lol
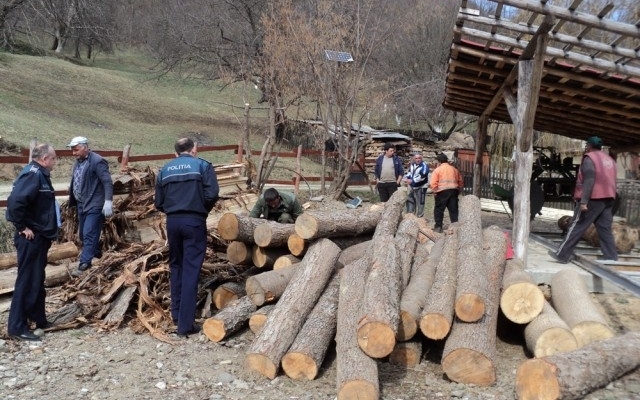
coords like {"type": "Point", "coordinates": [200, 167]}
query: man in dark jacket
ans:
{"type": "Point", "coordinates": [388, 172]}
{"type": "Point", "coordinates": [91, 191]}
{"type": "Point", "coordinates": [186, 190]}
{"type": "Point", "coordinates": [277, 206]}
{"type": "Point", "coordinates": [32, 209]}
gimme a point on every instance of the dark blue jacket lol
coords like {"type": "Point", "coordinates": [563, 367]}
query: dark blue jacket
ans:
{"type": "Point", "coordinates": [186, 185]}
{"type": "Point", "coordinates": [397, 165]}
{"type": "Point", "coordinates": [96, 184]}
{"type": "Point", "coordinates": [31, 203]}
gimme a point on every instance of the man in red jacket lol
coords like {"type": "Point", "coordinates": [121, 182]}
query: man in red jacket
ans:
{"type": "Point", "coordinates": [595, 194]}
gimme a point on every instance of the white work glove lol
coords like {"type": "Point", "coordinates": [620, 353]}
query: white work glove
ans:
{"type": "Point", "coordinates": [107, 209]}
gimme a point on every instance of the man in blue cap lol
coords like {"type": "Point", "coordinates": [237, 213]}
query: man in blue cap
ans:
{"type": "Point", "coordinates": [595, 195]}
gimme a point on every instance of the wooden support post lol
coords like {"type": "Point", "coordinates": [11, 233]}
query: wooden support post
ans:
{"type": "Point", "coordinates": [480, 146]}
{"type": "Point", "coordinates": [124, 162]}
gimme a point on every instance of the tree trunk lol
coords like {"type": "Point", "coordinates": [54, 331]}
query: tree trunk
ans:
{"type": "Point", "coordinates": [229, 320]}
{"type": "Point", "coordinates": [574, 305]}
{"type": "Point", "coordinates": [239, 253]}
{"type": "Point", "coordinates": [286, 260]}
{"type": "Point", "coordinates": [574, 374]}
{"type": "Point", "coordinates": [352, 253]}
{"type": "Point", "coordinates": [469, 354]}
{"type": "Point", "coordinates": [272, 234]}
{"type": "Point", "coordinates": [305, 356]}
{"type": "Point", "coordinates": [357, 374]}
{"type": "Point", "coordinates": [237, 227]}
{"type": "Point", "coordinates": [347, 222]}
{"type": "Point", "coordinates": [391, 214]}
{"type": "Point", "coordinates": [406, 354]}
{"type": "Point", "coordinates": [54, 275]}
{"type": "Point", "coordinates": [521, 299]}
{"type": "Point", "coordinates": [548, 334]}
{"type": "Point", "coordinates": [415, 295]}
{"type": "Point", "coordinates": [259, 317]}
{"type": "Point", "coordinates": [471, 291]}
{"type": "Point", "coordinates": [406, 239]}
{"type": "Point", "coordinates": [56, 252]}
{"type": "Point", "coordinates": [286, 319]}
{"type": "Point", "coordinates": [270, 285]}
{"type": "Point", "coordinates": [437, 315]}
{"type": "Point", "coordinates": [381, 304]}
{"type": "Point", "coordinates": [226, 293]}
{"type": "Point", "coordinates": [296, 245]}
{"type": "Point", "coordinates": [265, 257]}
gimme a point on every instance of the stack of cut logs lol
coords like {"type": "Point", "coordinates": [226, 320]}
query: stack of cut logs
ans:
{"type": "Point", "coordinates": [373, 297]}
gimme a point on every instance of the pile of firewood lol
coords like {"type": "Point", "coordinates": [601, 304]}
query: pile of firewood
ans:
{"type": "Point", "coordinates": [374, 297]}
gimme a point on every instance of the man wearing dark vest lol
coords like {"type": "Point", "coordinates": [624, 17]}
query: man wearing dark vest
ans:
{"type": "Point", "coordinates": [595, 194]}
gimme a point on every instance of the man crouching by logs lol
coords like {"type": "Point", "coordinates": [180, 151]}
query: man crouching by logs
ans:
{"type": "Point", "coordinates": [277, 206]}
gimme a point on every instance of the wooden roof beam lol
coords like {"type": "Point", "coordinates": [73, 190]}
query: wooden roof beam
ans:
{"type": "Point", "coordinates": [605, 10]}
{"type": "Point", "coordinates": [561, 22]}
{"type": "Point", "coordinates": [598, 47]}
{"type": "Point", "coordinates": [527, 54]}
{"type": "Point", "coordinates": [572, 56]}
{"type": "Point", "coordinates": [575, 16]}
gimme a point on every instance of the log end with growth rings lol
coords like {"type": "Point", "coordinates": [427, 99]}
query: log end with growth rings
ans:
{"type": "Point", "coordinates": [228, 226]}
{"type": "Point", "coordinates": [262, 365]}
{"type": "Point", "coordinates": [469, 366]}
{"type": "Point", "coordinates": [522, 302]}
{"type": "Point", "coordinates": [358, 390]}
{"type": "Point", "coordinates": [299, 366]}
{"type": "Point", "coordinates": [296, 244]}
{"type": "Point", "coordinates": [554, 340]}
{"type": "Point", "coordinates": [262, 235]}
{"type": "Point", "coordinates": [469, 307]}
{"type": "Point", "coordinates": [307, 226]}
{"type": "Point", "coordinates": [376, 339]}
{"type": "Point", "coordinates": [536, 380]}
{"type": "Point", "coordinates": [435, 326]}
{"type": "Point", "coordinates": [214, 329]}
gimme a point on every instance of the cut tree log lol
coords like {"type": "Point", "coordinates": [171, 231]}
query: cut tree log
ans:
{"type": "Point", "coordinates": [286, 260]}
{"type": "Point", "coordinates": [574, 374]}
{"type": "Point", "coordinates": [471, 291]}
{"type": "Point", "coordinates": [391, 215]}
{"type": "Point", "coordinates": [575, 306]}
{"type": "Point", "coordinates": [56, 252]}
{"type": "Point", "coordinates": [265, 257]}
{"type": "Point", "coordinates": [357, 374]}
{"type": "Point", "coordinates": [55, 275]}
{"type": "Point", "coordinates": [269, 285]}
{"type": "Point", "coordinates": [548, 334]}
{"type": "Point", "coordinates": [437, 314]}
{"type": "Point", "coordinates": [229, 320]}
{"type": "Point", "coordinates": [259, 317]}
{"type": "Point", "coordinates": [305, 356]}
{"type": "Point", "coordinates": [289, 314]}
{"type": "Point", "coordinates": [381, 304]}
{"type": "Point", "coordinates": [352, 253]}
{"type": "Point", "coordinates": [521, 299]}
{"type": "Point", "coordinates": [469, 355]}
{"type": "Point", "coordinates": [239, 253]}
{"type": "Point", "coordinates": [336, 223]}
{"type": "Point", "coordinates": [296, 245]}
{"type": "Point", "coordinates": [414, 296]}
{"type": "Point", "coordinates": [406, 354]}
{"type": "Point", "coordinates": [406, 239]}
{"type": "Point", "coordinates": [272, 234]}
{"type": "Point", "coordinates": [226, 293]}
{"type": "Point", "coordinates": [624, 236]}
{"type": "Point", "coordinates": [237, 227]}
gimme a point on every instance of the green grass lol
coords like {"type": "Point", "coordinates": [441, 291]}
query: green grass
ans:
{"type": "Point", "coordinates": [116, 99]}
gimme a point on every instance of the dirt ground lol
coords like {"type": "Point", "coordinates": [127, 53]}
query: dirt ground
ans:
{"type": "Point", "coordinates": [89, 364]}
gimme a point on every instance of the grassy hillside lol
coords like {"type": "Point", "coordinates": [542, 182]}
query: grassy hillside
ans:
{"type": "Point", "coordinates": [114, 101]}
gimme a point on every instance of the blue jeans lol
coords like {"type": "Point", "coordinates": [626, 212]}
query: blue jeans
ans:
{"type": "Point", "coordinates": [89, 229]}
{"type": "Point", "coordinates": [187, 245]}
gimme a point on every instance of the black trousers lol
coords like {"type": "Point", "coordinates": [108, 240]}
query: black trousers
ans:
{"type": "Point", "coordinates": [27, 303]}
{"type": "Point", "coordinates": [386, 189]}
{"type": "Point", "coordinates": [447, 199]}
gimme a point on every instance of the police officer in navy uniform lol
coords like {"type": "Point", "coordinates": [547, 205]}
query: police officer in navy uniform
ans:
{"type": "Point", "coordinates": [186, 190]}
{"type": "Point", "coordinates": [32, 209]}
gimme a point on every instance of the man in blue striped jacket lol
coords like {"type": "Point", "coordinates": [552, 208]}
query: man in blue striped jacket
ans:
{"type": "Point", "coordinates": [417, 179]}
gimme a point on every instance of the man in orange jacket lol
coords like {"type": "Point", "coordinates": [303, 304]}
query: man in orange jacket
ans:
{"type": "Point", "coordinates": [446, 184]}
